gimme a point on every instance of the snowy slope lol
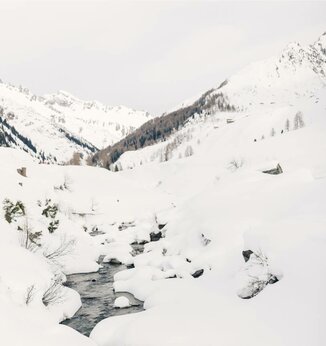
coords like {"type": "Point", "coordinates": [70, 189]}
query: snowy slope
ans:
{"type": "Point", "coordinates": [221, 211]}
{"type": "Point", "coordinates": [207, 185]}
{"type": "Point", "coordinates": [59, 124]}
{"type": "Point", "coordinates": [225, 204]}
{"type": "Point", "coordinates": [275, 85]}
{"type": "Point", "coordinates": [86, 198]}
{"type": "Point", "coordinates": [297, 72]}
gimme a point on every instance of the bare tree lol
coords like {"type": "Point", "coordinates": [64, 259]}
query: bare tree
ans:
{"type": "Point", "coordinates": [287, 125]}
{"type": "Point", "coordinates": [298, 121]}
{"type": "Point", "coordinates": [76, 159]}
{"type": "Point", "coordinates": [273, 132]}
{"type": "Point", "coordinates": [189, 151]}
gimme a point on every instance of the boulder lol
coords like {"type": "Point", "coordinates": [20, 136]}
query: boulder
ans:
{"type": "Point", "coordinates": [198, 273]}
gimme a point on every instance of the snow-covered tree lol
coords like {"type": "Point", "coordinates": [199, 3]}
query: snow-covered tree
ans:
{"type": "Point", "coordinates": [189, 151]}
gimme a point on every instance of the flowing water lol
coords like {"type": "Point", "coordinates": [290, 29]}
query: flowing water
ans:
{"type": "Point", "coordinates": [98, 296]}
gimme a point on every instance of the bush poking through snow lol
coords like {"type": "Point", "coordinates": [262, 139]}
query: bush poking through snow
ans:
{"type": "Point", "coordinates": [30, 291]}
{"type": "Point", "coordinates": [53, 294]}
{"type": "Point", "coordinates": [66, 185]}
{"type": "Point", "coordinates": [53, 225]}
{"type": "Point", "coordinates": [29, 239]}
{"type": "Point", "coordinates": [51, 212]}
{"type": "Point", "coordinates": [235, 164]}
{"type": "Point", "coordinates": [13, 211]}
{"type": "Point", "coordinates": [65, 247]}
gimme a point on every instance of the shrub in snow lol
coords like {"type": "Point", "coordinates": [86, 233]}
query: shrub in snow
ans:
{"type": "Point", "coordinates": [121, 302]}
{"type": "Point", "coordinates": [65, 247]}
{"type": "Point", "coordinates": [53, 225]}
{"type": "Point", "coordinates": [205, 240]}
{"type": "Point", "coordinates": [30, 291]}
{"type": "Point", "coordinates": [66, 185]}
{"type": "Point", "coordinates": [287, 125]}
{"type": "Point", "coordinates": [51, 211]}
{"type": "Point", "coordinates": [29, 239]}
{"type": "Point", "coordinates": [13, 211]}
{"type": "Point", "coordinates": [298, 121]}
{"type": "Point", "coordinates": [235, 164]}
{"type": "Point", "coordinates": [53, 294]}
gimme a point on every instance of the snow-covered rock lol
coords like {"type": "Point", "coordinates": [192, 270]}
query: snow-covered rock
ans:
{"type": "Point", "coordinates": [121, 302]}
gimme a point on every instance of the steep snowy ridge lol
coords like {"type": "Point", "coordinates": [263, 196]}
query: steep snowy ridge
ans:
{"type": "Point", "coordinates": [279, 86]}
{"type": "Point", "coordinates": [60, 124]}
{"type": "Point", "coordinates": [298, 72]}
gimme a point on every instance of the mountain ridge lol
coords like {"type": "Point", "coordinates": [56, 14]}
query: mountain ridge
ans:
{"type": "Point", "coordinates": [60, 124]}
{"type": "Point", "coordinates": [298, 72]}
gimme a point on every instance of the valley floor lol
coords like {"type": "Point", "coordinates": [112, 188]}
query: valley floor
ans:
{"type": "Point", "coordinates": [238, 258]}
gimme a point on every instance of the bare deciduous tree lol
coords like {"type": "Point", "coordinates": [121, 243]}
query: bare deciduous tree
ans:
{"type": "Point", "coordinates": [298, 121]}
{"type": "Point", "coordinates": [287, 125]}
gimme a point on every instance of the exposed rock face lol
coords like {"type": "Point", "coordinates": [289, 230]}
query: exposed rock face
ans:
{"type": "Point", "coordinates": [22, 171]}
{"type": "Point", "coordinates": [246, 255]}
{"type": "Point", "coordinates": [155, 236]}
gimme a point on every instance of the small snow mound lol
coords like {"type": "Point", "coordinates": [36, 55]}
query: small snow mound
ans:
{"type": "Point", "coordinates": [121, 302]}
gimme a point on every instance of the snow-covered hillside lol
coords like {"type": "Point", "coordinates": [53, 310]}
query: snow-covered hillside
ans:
{"type": "Point", "coordinates": [280, 86]}
{"type": "Point", "coordinates": [231, 208]}
{"type": "Point", "coordinates": [46, 221]}
{"type": "Point", "coordinates": [53, 127]}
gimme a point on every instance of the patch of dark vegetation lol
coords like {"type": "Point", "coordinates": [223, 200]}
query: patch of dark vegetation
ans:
{"type": "Point", "coordinates": [80, 142]}
{"type": "Point", "coordinates": [160, 128]}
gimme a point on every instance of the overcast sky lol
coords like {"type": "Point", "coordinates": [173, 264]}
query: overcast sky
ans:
{"type": "Point", "coordinates": [146, 55]}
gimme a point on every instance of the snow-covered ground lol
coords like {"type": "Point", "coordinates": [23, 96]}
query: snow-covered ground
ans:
{"type": "Point", "coordinates": [32, 266]}
{"type": "Point", "coordinates": [229, 230]}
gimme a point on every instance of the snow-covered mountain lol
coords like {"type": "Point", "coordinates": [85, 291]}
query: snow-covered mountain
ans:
{"type": "Point", "coordinates": [274, 85]}
{"type": "Point", "coordinates": [54, 126]}
{"type": "Point", "coordinates": [230, 204]}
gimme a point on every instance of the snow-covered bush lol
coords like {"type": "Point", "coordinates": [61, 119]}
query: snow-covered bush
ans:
{"type": "Point", "coordinates": [13, 210]}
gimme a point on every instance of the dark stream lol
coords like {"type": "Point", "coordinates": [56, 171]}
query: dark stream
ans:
{"type": "Point", "coordinates": [98, 296]}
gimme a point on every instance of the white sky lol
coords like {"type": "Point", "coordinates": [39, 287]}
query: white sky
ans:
{"type": "Point", "coordinates": [146, 55]}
